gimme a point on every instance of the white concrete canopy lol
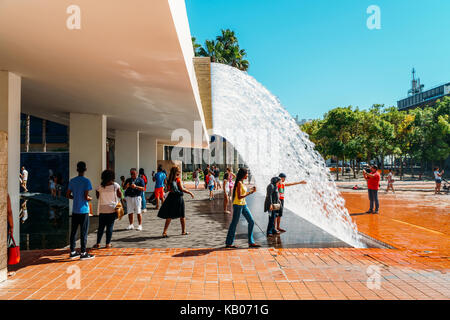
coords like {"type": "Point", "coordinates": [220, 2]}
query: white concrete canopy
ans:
{"type": "Point", "coordinates": [130, 60]}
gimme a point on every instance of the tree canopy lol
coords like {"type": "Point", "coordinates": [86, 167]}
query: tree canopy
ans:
{"type": "Point", "coordinates": [371, 135]}
{"type": "Point", "coordinates": [224, 49]}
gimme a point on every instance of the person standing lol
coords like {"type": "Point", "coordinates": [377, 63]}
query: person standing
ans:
{"type": "Point", "coordinates": [143, 176]}
{"type": "Point", "coordinates": [373, 184]}
{"type": "Point", "coordinates": [160, 179]}
{"type": "Point", "coordinates": [108, 194]}
{"type": "Point", "coordinates": [211, 185]}
{"type": "Point", "coordinates": [240, 207]}
{"type": "Point", "coordinates": [216, 177]}
{"type": "Point", "coordinates": [173, 206]}
{"type": "Point", "coordinates": [52, 186]}
{"type": "Point", "coordinates": [231, 177]}
{"type": "Point", "coordinates": [281, 190]}
{"type": "Point", "coordinates": [134, 187]}
{"type": "Point", "coordinates": [226, 192]}
{"type": "Point", "coordinates": [78, 190]}
{"type": "Point", "coordinates": [390, 181]}
{"type": "Point", "coordinates": [195, 178]}
{"type": "Point", "coordinates": [272, 199]}
{"type": "Point", "coordinates": [438, 180]}
{"type": "Point", "coordinates": [24, 178]}
{"type": "Point", "coordinates": [205, 175]}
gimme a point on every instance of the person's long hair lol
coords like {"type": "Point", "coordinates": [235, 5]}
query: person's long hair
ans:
{"type": "Point", "coordinates": [107, 176]}
{"type": "Point", "coordinates": [239, 177]}
{"type": "Point", "coordinates": [172, 175]}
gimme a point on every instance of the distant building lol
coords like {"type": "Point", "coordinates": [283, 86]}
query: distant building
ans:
{"type": "Point", "coordinates": [302, 121]}
{"type": "Point", "coordinates": [417, 97]}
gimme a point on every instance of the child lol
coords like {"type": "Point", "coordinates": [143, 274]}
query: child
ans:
{"type": "Point", "coordinates": [282, 185]}
{"type": "Point", "coordinates": [211, 185]}
{"type": "Point", "coordinates": [390, 181]}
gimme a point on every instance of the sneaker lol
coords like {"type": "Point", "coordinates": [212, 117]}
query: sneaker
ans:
{"type": "Point", "coordinates": [130, 227]}
{"type": "Point", "coordinates": [86, 256]}
{"type": "Point", "coordinates": [74, 255]}
{"type": "Point", "coordinates": [144, 210]}
{"type": "Point", "coordinates": [139, 228]}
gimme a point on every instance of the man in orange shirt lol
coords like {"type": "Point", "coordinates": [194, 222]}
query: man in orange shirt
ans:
{"type": "Point", "coordinates": [373, 184]}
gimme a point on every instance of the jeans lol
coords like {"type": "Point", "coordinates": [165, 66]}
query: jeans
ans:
{"type": "Point", "coordinates": [373, 197]}
{"type": "Point", "coordinates": [237, 210]}
{"type": "Point", "coordinates": [144, 201]}
{"type": "Point", "coordinates": [271, 225]}
{"type": "Point", "coordinates": [105, 220]}
{"type": "Point", "coordinates": [82, 220]}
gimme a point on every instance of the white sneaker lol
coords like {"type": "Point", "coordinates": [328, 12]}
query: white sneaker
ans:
{"type": "Point", "coordinates": [130, 227]}
{"type": "Point", "coordinates": [139, 228]}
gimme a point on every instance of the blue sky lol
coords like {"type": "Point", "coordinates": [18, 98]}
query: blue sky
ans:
{"type": "Point", "coordinates": [316, 55]}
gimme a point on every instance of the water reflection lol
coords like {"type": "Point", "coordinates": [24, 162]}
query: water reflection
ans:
{"type": "Point", "coordinates": [45, 222]}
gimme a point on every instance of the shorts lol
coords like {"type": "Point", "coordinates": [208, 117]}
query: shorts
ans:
{"type": "Point", "coordinates": [280, 212]}
{"type": "Point", "coordinates": [211, 188]}
{"type": "Point", "coordinates": [217, 179]}
{"type": "Point", "coordinates": [438, 181]}
{"type": "Point", "coordinates": [134, 204]}
{"type": "Point", "coordinates": [159, 193]}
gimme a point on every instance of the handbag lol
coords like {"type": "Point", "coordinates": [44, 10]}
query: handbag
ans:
{"type": "Point", "coordinates": [13, 251]}
{"type": "Point", "coordinates": [276, 206]}
{"type": "Point", "coordinates": [119, 208]}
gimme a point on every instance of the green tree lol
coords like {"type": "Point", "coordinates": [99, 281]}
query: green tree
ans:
{"type": "Point", "coordinates": [224, 49]}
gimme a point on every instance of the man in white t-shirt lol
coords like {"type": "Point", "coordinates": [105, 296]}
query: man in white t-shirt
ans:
{"type": "Point", "coordinates": [24, 178]}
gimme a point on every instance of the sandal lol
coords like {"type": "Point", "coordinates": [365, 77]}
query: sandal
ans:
{"type": "Point", "coordinates": [165, 235]}
{"type": "Point", "coordinates": [185, 233]}
{"type": "Point", "coordinates": [108, 246]}
{"type": "Point", "coordinates": [231, 246]}
{"type": "Point", "coordinates": [96, 246]}
{"type": "Point", "coordinates": [254, 245]}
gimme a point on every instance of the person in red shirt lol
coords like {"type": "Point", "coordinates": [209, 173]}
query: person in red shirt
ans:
{"type": "Point", "coordinates": [281, 188]}
{"type": "Point", "coordinates": [373, 184]}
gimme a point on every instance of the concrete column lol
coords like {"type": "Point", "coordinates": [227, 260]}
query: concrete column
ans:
{"type": "Point", "coordinates": [87, 142]}
{"type": "Point", "coordinates": [3, 202]}
{"type": "Point", "coordinates": [10, 90]}
{"type": "Point", "coordinates": [160, 152]}
{"type": "Point", "coordinates": [147, 158]}
{"type": "Point", "coordinates": [126, 153]}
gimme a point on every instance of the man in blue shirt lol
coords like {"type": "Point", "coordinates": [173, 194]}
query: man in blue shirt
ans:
{"type": "Point", "coordinates": [160, 180]}
{"type": "Point", "coordinates": [78, 190]}
{"type": "Point", "coordinates": [134, 187]}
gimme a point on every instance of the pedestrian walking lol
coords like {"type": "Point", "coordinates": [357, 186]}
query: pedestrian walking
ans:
{"type": "Point", "coordinates": [390, 181]}
{"type": "Point", "coordinates": [205, 175]}
{"type": "Point", "coordinates": [173, 207]}
{"type": "Point", "coordinates": [160, 179]}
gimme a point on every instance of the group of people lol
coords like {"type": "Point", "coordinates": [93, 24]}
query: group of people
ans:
{"type": "Point", "coordinates": [131, 191]}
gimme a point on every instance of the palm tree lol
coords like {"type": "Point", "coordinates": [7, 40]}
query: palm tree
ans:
{"type": "Point", "coordinates": [225, 49]}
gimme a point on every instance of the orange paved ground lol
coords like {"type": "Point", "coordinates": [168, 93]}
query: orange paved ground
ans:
{"type": "Point", "coordinates": [413, 220]}
{"type": "Point", "coordinates": [230, 274]}
{"type": "Point", "coordinates": [414, 223]}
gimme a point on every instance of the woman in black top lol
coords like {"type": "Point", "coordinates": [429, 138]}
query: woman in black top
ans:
{"type": "Point", "coordinates": [173, 206]}
{"type": "Point", "coordinates": [272, 198]}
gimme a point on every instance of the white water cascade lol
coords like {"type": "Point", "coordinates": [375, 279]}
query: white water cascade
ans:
{"type": "Point", "coordinates": [269, 141]}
